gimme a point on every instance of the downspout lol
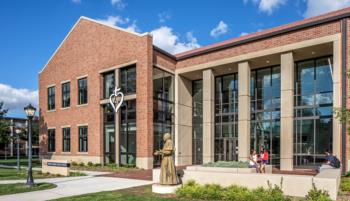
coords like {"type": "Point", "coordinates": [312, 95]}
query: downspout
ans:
{"type": "Point", "coordinates": [344, 89]}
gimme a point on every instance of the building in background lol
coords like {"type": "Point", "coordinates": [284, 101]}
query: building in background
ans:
{"type": "Point", "coordinates": [274, 89]}
{"type": "Point", "coordinates": [18, 126]}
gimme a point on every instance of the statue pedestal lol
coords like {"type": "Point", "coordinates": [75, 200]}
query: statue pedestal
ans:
{"type": "Point", "coordinates": [165, 189]}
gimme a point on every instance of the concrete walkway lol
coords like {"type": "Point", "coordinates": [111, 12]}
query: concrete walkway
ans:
{"type": "Point", "coordinates": [70, 186]}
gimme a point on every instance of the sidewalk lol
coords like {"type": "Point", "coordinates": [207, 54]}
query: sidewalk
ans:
{"type": "Point", "coordinates": [70, 186]}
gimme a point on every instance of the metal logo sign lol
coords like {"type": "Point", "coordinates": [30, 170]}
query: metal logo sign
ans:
{"type": "Point", "coordinates": [113, 99]}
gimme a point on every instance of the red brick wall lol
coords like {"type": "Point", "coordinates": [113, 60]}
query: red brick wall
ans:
{"type": "Point", "coordinates": [163, 60]}
{"type": "Point", "coordinates": [285, 39]}
{"type": "Point", "coordinates": [89, 48]}
{"type": "Point", "coordinates": [348, 89]}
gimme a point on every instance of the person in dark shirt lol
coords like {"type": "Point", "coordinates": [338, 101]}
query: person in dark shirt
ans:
{"type": "Point", "coordinates": [330, 162]}
{"type": "Point", "coordinates": [330, 159]}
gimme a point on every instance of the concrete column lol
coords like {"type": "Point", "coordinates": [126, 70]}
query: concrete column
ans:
{"type": "Point", "coordinates": [337, 101]}
{"type": "Point", "coordinates": [287, 114]}
{"type": "Point", "coordinates": [183, 121]}
{"type": "Point", "coordinates": [243, 111]}
{"type": "Point", "coordinates": [208, 115]}
{"type": "Point", "coordinates": [117, 122]}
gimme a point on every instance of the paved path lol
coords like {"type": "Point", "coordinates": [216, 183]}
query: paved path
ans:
{"type": "Point", "coordinates": [70, 186]}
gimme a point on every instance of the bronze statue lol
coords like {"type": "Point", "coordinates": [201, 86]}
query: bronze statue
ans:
{"type": "Point", "coordinates": [167, 173]}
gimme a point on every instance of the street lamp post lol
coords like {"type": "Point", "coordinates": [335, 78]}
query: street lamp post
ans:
{"type": "Point", "coordinates": [18, 153]}
{"type": "Point", "coordinates": [30, 111]}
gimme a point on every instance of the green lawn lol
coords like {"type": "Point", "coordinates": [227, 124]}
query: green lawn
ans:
{"type": "Point", "coordinates": [131, 194]}
{"type": "Point", "coordinates": [6, 189]}
{"type": "Point", "coordinates": [36, 162]}
{"type": "Point", "coordinates": [12, 174]}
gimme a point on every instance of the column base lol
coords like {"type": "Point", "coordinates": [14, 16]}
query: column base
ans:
{"type": "Point", "coordinates": [286, 164]}
{"type": "Point", "coordinates": [144, 162]}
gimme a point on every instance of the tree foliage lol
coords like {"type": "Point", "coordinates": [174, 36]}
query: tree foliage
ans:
{"type": "Point", "coordinates": [4, 125]}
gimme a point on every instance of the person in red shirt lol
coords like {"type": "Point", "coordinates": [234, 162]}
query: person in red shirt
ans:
{"type": "Point", "coordinates": [265, 160]}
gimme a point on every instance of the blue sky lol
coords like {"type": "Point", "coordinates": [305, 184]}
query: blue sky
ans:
{"type": "Point", "coordinates": [30, 31]}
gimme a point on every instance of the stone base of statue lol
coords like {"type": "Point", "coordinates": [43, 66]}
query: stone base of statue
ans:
{"type": "Point", "coordinates": [165, 189]}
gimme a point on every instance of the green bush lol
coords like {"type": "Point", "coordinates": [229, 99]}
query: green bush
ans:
{"type": "Point", "coordinates": [81, 164]}
{"type": "Point", "coordinates": [90, 164]}
{"type": "Point", "coordinates": [317, 195]}
{"type": "Point", "coordinates": [74, 163]}
{"type": "Point", "coordinates": [192, 190]}
{"type": "Point", "coordinates": [228, 164]}
{"type": "Point", "coordinates": [97, 165]}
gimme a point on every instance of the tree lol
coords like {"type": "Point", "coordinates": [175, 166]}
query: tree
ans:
{"type": "Point", "coordinates": [4, 126]}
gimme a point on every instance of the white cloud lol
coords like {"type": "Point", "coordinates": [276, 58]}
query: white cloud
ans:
{"type": "Point", "coordinates": [164, 16]}
{"type": "Point", "coordinates": [317, 7]}
{"type": "Point", "coordinates": [114, 20]}
{"type": "Point", "coordinates": [118, 3]}
{"type": "Point", "coordinates": [164, 38]}
{"type": "Point", "coordinates": [268, 6]}
{"type": "Point", "coordinates": [16, 99]}
{"type": "Point", "coordinates": [121, 22]}
{"type": "Point", "coordinates": [221, 29]}
{"type": "Point", "coordinates": [243, 34]}
{"type": "Point", "coordinates": [76, 1]}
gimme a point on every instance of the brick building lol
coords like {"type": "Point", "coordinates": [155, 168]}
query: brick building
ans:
{"type": "Point", "coordinates": [274, 89]}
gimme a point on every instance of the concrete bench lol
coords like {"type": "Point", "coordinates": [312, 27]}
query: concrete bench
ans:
{"type": "Point", "coordinates": [292, 185]}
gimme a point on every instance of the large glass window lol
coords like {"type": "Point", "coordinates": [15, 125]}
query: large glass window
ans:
{"type": "Point", "coordinates": [82, 91]}
{"type": "Point", "coordinates": [128, 80]}
{"type": "Point", "coordinates": [226, 117]}
{"type": "Point", "coordinates": [313, 111]}
{"type": "Point", "coordinates": [108, 84]}
{"type": "Point", "coordinates": [265, 111]}
{"type": "Point", "coordinates": [51, 140]}
{"type": "Point", "coordinates": [66, 94]}
{"type": "Point", "coordinates": [197, 122]}
{"type": "Point", "coordinates": [109, 134]}
{"type": "Point", "coordinates": [66, 139]}
{"type": "Point", "coordinates": [128, 133]}
{"type": "Point", "coordinates": [51, 98]}
{"type": "Point", "coordinates": [83, 138]}
{"type": "Point", "coordinates": [163, 107]}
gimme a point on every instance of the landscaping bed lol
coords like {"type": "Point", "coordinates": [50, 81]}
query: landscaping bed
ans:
{"type": "Point", "coordinates": [100, 168]}
{"type": "Point", "coordinates": [193, 191]}
{"type": "Point", "coordinates": [6, 189]}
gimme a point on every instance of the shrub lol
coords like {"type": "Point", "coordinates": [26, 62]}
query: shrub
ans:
{"type": "Point", "coordinates": [74, 163]}
{"type": "Point", "coordinates": [229, 164]}
{"type": "Point", "coordinates": [192, 190]}
{"type": "Point", "coordinates": [317, 195]}
{"type": "Point", "coordinates": [90, 164]}
{"type": "Point", "coordinates": [81, 164]}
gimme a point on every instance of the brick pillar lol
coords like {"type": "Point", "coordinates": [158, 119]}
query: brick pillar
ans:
{"type": "Point", "coordinates": [144, 105]}
{"type": "Point", "coordinates": [208, 115]}
{"type": "Point", "coordinates": [243, 111]}
{"type": "Point", "coordinates": [287, 108]}
{"type": "Point", "coordinates": [337, 98]}
{"type": "Point", "coordinates": [183, 121]}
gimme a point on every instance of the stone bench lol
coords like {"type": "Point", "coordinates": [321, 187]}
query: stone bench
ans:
{"type": "Point", "coordinates": [292, 185]}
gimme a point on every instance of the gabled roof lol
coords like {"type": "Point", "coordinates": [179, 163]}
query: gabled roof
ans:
{"type": "Point", "coordinates": [95, 21]}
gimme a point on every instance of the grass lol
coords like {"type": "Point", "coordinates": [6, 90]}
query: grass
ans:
{"type": "Point", "coordinates": [6, 189]}
{"type": "Point", "coordinates": [132, 194]}
{"type": "Point", "coordinates": [12, 174]}
{"type": "Point", "coordinates": [36, 162]}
